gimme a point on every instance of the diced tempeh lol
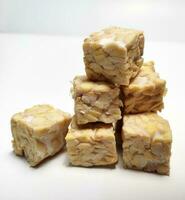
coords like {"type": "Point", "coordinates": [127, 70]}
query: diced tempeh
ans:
{"type": "Point", "coordinates": [145, 93]}
{"type": "Point", "coordinates": [113, 54]}
{"type": "Point", "coordinates": [39, 132]}
{"type": "Point", "coordinates": [96, 101]}
{"type": "Point", "coordinates": [91, 144]}
{"type": "Point", "coordinates": [147, 142]}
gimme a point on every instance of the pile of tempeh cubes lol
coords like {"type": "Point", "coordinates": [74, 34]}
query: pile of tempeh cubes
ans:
{"type": "Point", "coordinates": [118, 86]}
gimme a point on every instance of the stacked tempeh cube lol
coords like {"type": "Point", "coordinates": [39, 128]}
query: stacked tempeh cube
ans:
{"type": "Point", "coordinates": [114, 65]}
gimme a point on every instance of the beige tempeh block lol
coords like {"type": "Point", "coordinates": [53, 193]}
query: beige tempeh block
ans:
{"type": "Point", "coordinates": [39, 132]}
{"type": "Point", "coordinates": [91, 144]}
{"type": "Point", "coordinates": [113, 54]}
{"type": "Point", "coordinates": [147, 142]}
{"type": "Point", "coordinates": [96, 101]}
{"type": "Point", "coordinates": [145, 93]}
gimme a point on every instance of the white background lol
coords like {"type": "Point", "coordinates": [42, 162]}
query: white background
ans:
{"type": "Point", "coordinates": [161, 19]}
{"type": "Point", "coordinates": [38, 68]}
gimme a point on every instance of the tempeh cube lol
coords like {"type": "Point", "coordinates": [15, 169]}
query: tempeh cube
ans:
{"type": "Point", "coordinates": [147, 142]}
{"type": "Point", "coordinates": [91, 144]}
{"type": "Point", "coordinates": [113, 54]}
{"type": "Point", "coordinates": [96, 101]}
{"type": "Point", "coordinates": [39, 132]}
{"type": "Point", "coordinates": [145, 93]}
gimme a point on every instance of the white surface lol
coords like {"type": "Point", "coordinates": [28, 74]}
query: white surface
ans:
{"type": "Point", "coordinates": [161, 20]}
{"type": "Point", "coordinates": [38, 69]}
